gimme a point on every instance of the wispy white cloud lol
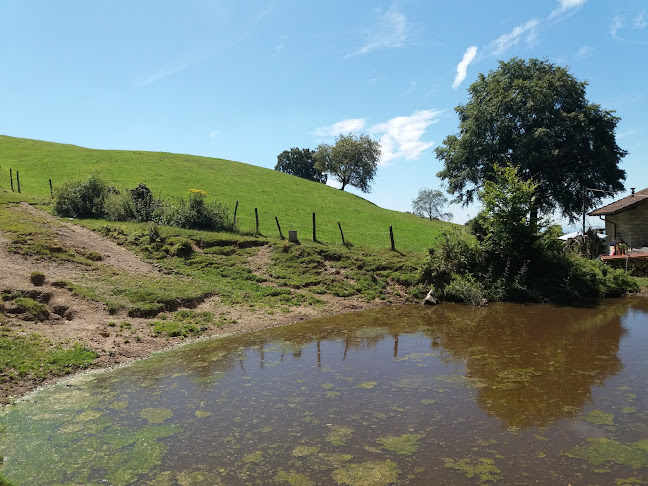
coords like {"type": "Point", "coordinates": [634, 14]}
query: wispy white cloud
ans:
{"type": "Point", "coordinates": [410, 89]}
{"type": "Point", "coordinates": [616, 25]}
{"type": "Point", "coordinates": [567, 6]}
{"type": "Point", "coordinates": [462, 67]}
{"type": "Point", "coordinates": [164, 72]}
{"type": "Point", "coordinates": [584, 51]}
{"type": "Point", "coordinates": [213, 134]}
{"type": "Point", "coordinates": [619, 23]}
{"type": "Point", "coordinates": [527, 31]}
{"type": "Point", "coordinates": [341, 127]}
{"type": "Point", "coordinates": [401, 136]}
{"type": "Point", "coordinates": [390, 30]}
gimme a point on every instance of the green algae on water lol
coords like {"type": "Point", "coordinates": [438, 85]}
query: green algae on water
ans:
{"type": "Point", "coordinates": [254, 457]}
{"type": "Point", "coordinates": [303, 451]}
{"type": "Point", "coordinates": [403, 444]}
{"type": "Point", "coordinates": [293, 478]}
{"type": "Point", "coordinates": [156, 415]}
{"type": "Point", "coordinates": [202, 413]}
{"type": "Point", "coordinates": [371, 473]}
{"type": "Point", "coordinates": [339, 434]}
{"type": "Point", "coordinates": [484, 468]}
{"type": "Point", "coordinates": [367, 385]}
{"type": "Point", "coordinates": [603, 450]}
{"type": "Point", "coordinates": [599, 418]}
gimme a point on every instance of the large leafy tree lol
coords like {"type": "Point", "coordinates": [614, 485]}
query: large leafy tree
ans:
{"type": "Point", "coordinates": [429, 203]}
{"type": "Point", "coordinates": [352, 160]}
{"type": "Point", "coordinates": [300, 163]}
{"type": "Point", "coordinates": [534, 115]}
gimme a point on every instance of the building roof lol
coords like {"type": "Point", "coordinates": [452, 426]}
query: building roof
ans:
{"type": "Point", "coordinates": [622, 204]}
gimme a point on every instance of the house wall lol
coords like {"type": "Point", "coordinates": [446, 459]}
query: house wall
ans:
{"type": "Point", "coordinates": [631, 226]}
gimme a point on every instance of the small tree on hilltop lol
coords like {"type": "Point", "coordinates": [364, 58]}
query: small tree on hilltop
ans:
{"type": "Point", "coordinates": [300, 163]}
{"type": "Point", "coordinates": [352, 160]}
{"type": "Point", "coordinates": [429, 204]}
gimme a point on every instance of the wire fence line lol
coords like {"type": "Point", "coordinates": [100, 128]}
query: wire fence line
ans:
{"type": "Point", "coordinates": [356, 231]}
{"type": "Point", "coordinates": [329, 231]}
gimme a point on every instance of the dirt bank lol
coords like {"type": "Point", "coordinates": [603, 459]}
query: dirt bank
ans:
{"type": "Point", "coordinates": [117, 338]}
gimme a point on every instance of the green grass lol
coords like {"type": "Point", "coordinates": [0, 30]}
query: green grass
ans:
{"type": "Point", "coordinates": [291, 199]}
{"type": "Point", "coordinates": [183, 323]}
{"type": "Point", "coordinates": [294, 274]}
{"type": "Point", "coordinates": [36, 357]}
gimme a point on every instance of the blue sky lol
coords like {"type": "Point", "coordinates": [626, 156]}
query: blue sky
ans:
{"type": "Point", "coordinates": [247, 79]}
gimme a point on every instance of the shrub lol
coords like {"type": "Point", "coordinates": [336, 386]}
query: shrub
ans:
{"type": "Point", "coordinates": [142, 202]}
{"type": "Point", "coordinates": [465, 288]}
{"type": "Point", "coordinates": [80, 199]}
{"type": "Point", "coordinates": [118, 206]}
{"type": "Point", "coordinates": [195, 213]}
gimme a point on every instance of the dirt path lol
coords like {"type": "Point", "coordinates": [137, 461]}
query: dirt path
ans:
{"type": "Point", "coordinates": [118, 338]}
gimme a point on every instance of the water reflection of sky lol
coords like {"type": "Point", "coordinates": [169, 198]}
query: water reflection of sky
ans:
{"type": "Point", "coordinates": [395, 395]}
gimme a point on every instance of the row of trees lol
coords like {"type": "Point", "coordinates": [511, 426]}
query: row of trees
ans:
{"type": "Point", "coordinates": [352, 160]}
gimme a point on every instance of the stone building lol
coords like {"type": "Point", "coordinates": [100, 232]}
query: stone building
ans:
{"type": "Point", "coordinates": [627, 219]}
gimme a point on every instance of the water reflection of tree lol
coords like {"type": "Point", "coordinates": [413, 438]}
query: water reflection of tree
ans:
{"type": "Point", "coordinates": [532, 364]}
{"type": "Point", "coordinates": [536, 364]}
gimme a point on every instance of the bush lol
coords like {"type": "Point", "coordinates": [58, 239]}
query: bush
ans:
{"type": "Point", "coordinates": [465, 288]}
{"type": "Point", "coordinates": [143, 203]}
{"type": "Point", "coordinates": [81, 199]}
{"type": "Point", "coordinates": [118, 206]}
{"type": "Point", "coordinates": [457, 253]}
{"type": "Point", "coordinates": [195, 213]}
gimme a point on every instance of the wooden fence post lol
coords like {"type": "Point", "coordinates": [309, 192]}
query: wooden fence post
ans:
{"type": "Point", "coordinates": [391, 236]}
{"type": "Point", "coordinates": [314, 237]}
{"type": "Point", "coordinates": [11, 177]}
{"type": "Point", "coordinates": [235, 209]}
{"type": "Point", "coordinates": [256, 215]}
{"type": "Point", "coordinates": [341, 233]}
{"type": "Point", "coordinates": [18, 181]}
{"type": "Point", "coordinates": [51, 189]}
{"type": "Point", "coordinates": [279, 227]}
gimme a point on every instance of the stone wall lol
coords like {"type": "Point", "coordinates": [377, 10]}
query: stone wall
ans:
{"type": "Point", "coordinates": [638, 267]}
{"type": "Point", "coordinates": [631, 226]}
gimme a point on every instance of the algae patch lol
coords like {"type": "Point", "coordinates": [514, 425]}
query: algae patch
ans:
{"type": "Point", "coordinates": [599, 418]}
{"type": "Point", "coordinates": [303, 451]}
{"type": "Point", "coordinates": [339, 434]}
{"type": "Point", "coordinates": [372, 473]}
{"type": "Point", "coordinates": [367, 385]}
{"type": "Point", "coordinates": [603, 450]}
{"type": "Point", "coordinates": [485, 469]}
{"type": "Point", "coordinates": [293, 478]}
{"type": "Point", "coordinates": [405, 444]}
{"type": "Point", "coordinates": [156, 415]}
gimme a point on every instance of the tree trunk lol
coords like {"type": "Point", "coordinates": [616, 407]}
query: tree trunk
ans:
{"type": "Point", "coordinates": [533, 218]}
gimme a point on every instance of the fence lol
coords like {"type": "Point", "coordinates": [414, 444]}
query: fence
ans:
{"type": "Point", "coordinates": [320, 229]}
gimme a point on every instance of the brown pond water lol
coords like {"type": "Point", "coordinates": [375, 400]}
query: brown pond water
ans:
{"type": "Point", "coordinates": [452, 394]}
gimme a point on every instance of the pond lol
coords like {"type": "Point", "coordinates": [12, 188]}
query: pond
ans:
{"type": "Point", "coordinates": [398, 395]}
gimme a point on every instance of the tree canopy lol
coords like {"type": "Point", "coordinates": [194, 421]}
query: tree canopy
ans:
{"type": "Point", "coordinates": [429, 203]}
{"type": "Point", "coordinates": [352, 160]}
{"type": "Point", "coordinates": [534, 115]}
{"type": "Point", "coordinates": [300, 163]}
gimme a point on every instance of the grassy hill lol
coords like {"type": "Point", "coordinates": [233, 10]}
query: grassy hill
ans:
{"type": "Point", "coordinates": [291, 199]}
